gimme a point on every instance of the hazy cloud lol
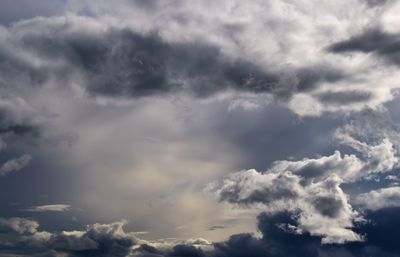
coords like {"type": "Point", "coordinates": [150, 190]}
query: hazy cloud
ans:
{"type": "Point", "coordinates": [14, 165]}
{"type": "Point", "coordinates": [47, 208]}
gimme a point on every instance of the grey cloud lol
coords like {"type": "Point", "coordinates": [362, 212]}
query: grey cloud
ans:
{"type": "Point", "coordinates": [14, 165]}
{"type": "Point", "coordinates": [276, 231]}
{"type": "Point", "coordinates": [278, 241]}
{"type": "Point", "coordinates": [118, 62]}
{"type": "Point", "coordinates": [251, 187]}
{"type": "Point", "coordinates": [96, 240]}
{"type": "Point", "coordinates": [18, 129]}
{"type": "Point", "coordinates": [384, 44]}
{"type": "Point", "coordinates": [18, 225]}
{"type": "Point", "coordinates": [344, 97]}
{"type": "Point", "coordinates": [376, 3]}
{"type": "Point", "coordinates": [16, 119]}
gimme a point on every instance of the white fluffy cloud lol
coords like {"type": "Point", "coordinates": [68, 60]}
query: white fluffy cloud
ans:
{"type": "Point", "coordinates": [381, 198]}
{"type": "Point", "coordinates": [323, 207]}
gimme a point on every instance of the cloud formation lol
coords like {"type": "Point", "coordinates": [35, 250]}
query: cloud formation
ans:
{"type": "Point", "coordinates": [276, 231]}
{"type": "Point", "coordinates": [380, 199]}
{"type": "Point", "coordinates": [15, 164]}
{"type": "Point", "coordinates": [95, 240]}
{"type": "Point", "coordinates": [374, 40]}
{"type": "Point", "coordinates": [322, 206]}
{"type": "Point", "coordinates": [114, 58]}
{"type": "Point", "coordinates": [310, 188]}
{"type": "Point", "coordinates": [184, 93]}
{"type": "Point", "coordinates": [119, 62]}
{"type": "Point", "coordinates": [50, 207]}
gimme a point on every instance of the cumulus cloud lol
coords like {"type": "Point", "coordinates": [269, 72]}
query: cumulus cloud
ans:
{"type": "Point", "coordinates": [276, 231]}
{"type": "Point", "coordinates": [311, 187]}
{"type": "Point", "coordinates": [18, 225]}
{"type": "Point", "coordinates": [379, 199]}
{"type": "Point", "coordinates": [322, 206]}
{"type": "Point", "coordinates": [95, 240]}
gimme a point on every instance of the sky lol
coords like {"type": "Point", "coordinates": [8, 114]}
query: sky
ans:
{"type": "Point", "coordinates": [160, 128]}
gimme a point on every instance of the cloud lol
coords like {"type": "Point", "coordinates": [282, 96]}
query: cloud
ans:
{"type": "Point", "coordinates": [14, 165]}
{"type": "Point", "coordinates": [18, 225]}
{"type": "Point", "coordinates": [276, 231]}
{"type": "Point", "coordinates": [107, 77]}
{"type": "Point", "coordinates": [310, 188]}
{"type": "Point", "coordinates": [379, 199]}
{"type": "Point", "coordinates": [47, 208]}
{"type": "Point", "coordinates": [344, 97]}
{"type": "Point", "coordinates": [119, 62]}
{"type": "Point", "coordinates": [95, 240]}
{"type": "Point", "coordinates": [322, 206]}
{"type": "Point", "coordinates": [373, 40]}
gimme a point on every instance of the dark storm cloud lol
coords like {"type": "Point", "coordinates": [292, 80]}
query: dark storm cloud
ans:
{"type": "Point", "coordinates": [11, 126]}
{"type": "Point", "coordinates": [381, 43]}
{"type": "Point", "coordinates": [278, 239]}
{"type": "Point", "coordinates": [179, 250]}
{"type": "Point", "coordinates": [102, 240]}
{"type": "Point", "coordinates": [118, 62]}
{"type": "Point", "coordinates": [98, 240]}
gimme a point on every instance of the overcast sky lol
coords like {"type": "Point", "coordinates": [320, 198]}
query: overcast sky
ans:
{"type": "Point", "coordinates": [199, 128]}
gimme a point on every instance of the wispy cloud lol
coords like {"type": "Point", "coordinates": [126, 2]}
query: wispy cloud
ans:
{"type": "Point", "coordinates": [48, 208]}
